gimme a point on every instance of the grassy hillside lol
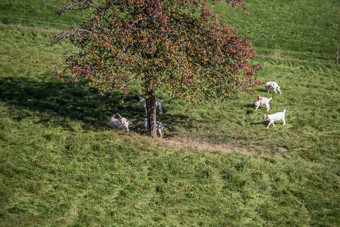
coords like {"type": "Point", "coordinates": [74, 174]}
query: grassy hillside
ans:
{"type": "Point", "coordinates": [35, 13]}
{"type": "Point", "coordinates": [62, 164]}
{"type": "Point", "coordinates": [293, 29]}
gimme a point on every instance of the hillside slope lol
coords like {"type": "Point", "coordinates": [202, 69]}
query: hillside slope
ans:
{"type": "Point", "coordinates": [61, 163]}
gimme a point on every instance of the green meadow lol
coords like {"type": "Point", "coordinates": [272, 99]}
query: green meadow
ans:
{"type": "Point", "coordinates": [61, 163]}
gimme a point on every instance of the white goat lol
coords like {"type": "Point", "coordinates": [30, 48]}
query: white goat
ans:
{"type": "Point", "coordinates": [143, 103]}
{"type": "Point", "coordinates": [262, 101]}
{"type": "Point", "coordinates": [276, 117]}
{"type": "Point", "coordinates": [272, 86]}
{"type": "Point", "coordinates": [159, 127]}
{"type": "Point", "coordinates": [118, 121]}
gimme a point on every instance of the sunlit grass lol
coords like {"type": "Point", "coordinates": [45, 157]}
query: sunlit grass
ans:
{"type": "Point", "coordinates": [62, 164]}
{"type": "Point", "coordinates": [305, 30]}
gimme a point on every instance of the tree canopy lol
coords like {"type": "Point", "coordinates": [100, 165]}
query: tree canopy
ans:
{"type": "Point", "coordinates": [178, 46]}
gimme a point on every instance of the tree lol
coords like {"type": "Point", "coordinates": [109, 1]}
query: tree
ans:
{"type": "Point", "coordinates": [179, 46]}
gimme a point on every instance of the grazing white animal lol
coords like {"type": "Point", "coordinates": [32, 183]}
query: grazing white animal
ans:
{"type": "Point", "coordinates": [279, 116]}
{"type": "Point", "coordinates": [159, 127]}
{"type": "Point", "coordinates": [117, 121]}
{"type": "Point", "coordinates": [272, 86]}
{"type": "Point", "coordinates": [143, 103]}
{"type": "Point", "coordinates": [262, 101]}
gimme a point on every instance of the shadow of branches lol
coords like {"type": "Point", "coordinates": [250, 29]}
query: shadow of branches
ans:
{"type": "Point", "coordinates": [63, 99]}
{"type": "Point", "coordinates": [56, 98]}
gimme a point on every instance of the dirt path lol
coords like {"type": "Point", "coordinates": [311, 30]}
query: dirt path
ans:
{"type": "Point", "coordinates": [190, 144]}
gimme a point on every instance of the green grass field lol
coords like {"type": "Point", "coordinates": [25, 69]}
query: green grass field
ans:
{"type": "Point", "coordinates": [61, 164]}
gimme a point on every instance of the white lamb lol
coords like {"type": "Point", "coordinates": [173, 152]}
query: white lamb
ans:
{"type": "Point", "coordinates": [272, 86]}
{"type": "Point", "coordinates": [117, 121]}
{"type": "Point", "coordinates": [276, 117]}
{"type": "Point", "coordinates": [143, 103]}
{"type": "Point", "coordinates": [159, 127]}
{"type": "Point", "coordinates": [262, 101]}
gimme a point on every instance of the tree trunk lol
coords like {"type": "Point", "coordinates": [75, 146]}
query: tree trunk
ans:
{"type": "Point", "coordinates": [151, 113]}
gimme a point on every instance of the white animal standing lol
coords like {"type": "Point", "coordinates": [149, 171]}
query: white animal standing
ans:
{"type": "Point", "coordinates": [143, 103]}
{"type": "Point", "coordinates": [262, 101]}
{"type": "Point", "coordinates": [279, 116]}
{"type": "Point", "coordinates": [272, 86]}
{"type": "Point", "coordinates": [117, 121]}
{"type": "Point", "coordinates": [159, 127]}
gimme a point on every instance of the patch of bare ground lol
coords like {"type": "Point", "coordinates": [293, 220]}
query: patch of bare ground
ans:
{"type": "Point", "coordinates": [201, 146]}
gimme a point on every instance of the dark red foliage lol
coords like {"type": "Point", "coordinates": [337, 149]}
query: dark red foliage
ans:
{"type": "Point", "coordinates": [176, 45]}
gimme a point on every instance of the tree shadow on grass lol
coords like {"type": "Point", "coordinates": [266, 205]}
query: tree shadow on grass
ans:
{"type": "Point", "coordinates": [58, 99]}
{"type": "Point", "coordinates": [261, 90]}
{"type": "Point", "coordinates": [248, 105]}
{"type": "Point", "coordinates": [260, 123]}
